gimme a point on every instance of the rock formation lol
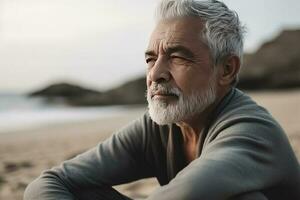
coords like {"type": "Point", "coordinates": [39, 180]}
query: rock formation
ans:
{"type": "Point", "coordinates": [132, 92]}
{"type": "Point", "coordinates": [276, 65]}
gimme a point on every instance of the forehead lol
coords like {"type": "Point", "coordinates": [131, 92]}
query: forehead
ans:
{"type": "Point", "coordinates": [184, 31]}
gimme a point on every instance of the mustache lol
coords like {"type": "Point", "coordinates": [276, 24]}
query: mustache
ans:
{"type": "Point", "coordinates": [163, 88]}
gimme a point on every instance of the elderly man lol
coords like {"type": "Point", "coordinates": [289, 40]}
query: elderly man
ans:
{"type": "Point", "coordinates": [202, 138]}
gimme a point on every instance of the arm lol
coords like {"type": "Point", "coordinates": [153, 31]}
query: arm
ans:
{"type": "Point", "coordinates": [115, 161]}
{"type": "Point", "coordinates": [243, 159]}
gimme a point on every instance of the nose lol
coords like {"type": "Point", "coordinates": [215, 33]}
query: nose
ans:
{"type": "Point", "coordinates": [159, 72]}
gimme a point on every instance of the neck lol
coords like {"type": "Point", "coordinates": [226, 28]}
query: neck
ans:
{"type": "Point", "coordinates": [192, 128]}
{"type": "Point", "coordinates": [194, 125]}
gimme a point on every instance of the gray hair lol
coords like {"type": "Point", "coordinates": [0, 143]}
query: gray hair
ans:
{"type": "Point", "coordinates": [222, 33]}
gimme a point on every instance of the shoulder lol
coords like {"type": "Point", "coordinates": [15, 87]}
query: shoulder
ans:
{"type": "Point", "coordinates": [242, 123]}
{"type": "Point", "coordinates": [244, 126]}
{"type": "Point", "coordinates": [240, 114]}
{"type": "Point", "coordinates": [144, 130]}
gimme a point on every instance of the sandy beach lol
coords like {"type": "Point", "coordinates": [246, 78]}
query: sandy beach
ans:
{"type": "Point", "coordinates": [25, 154]}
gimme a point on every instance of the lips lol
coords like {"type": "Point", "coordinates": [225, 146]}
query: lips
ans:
{"type": "Point", "coordinates": [163, 94]}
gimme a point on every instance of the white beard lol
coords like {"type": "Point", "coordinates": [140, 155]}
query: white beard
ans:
{"type": "Point", "coordinates": [187, 106]}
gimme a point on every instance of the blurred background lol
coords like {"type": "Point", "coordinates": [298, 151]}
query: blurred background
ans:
{"type": "Point", "coordinates": [73, 72]}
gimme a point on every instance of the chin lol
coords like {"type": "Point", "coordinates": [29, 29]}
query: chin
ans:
{"type": "Point", "coordinates": [160, 112]}
{"type": "Point", "coordinates": [170, 111]}
{"type": "Point", "coordinates": [164, 113]}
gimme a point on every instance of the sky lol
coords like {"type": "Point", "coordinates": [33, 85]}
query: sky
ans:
{"type": "Point", "coordinates": [100, 44]}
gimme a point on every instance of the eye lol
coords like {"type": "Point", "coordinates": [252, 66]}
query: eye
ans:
{"type": "Point", "coordinates": [150, 60]}
{"type": "Point", "coordinates": [178, 59]}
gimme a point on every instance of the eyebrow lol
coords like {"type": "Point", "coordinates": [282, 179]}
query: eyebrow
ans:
{"type": "Point", "coordinates": [180, 49]}
{"type": "Point", "coordinates": [150, 53]}
{"type": "Point", "coordinates": [173, 49]}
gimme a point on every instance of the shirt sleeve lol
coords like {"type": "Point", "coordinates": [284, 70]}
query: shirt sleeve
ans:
{"type": "Point", "coordinates": [117, 160]}
{"type": "Point", "coordinates": [241, 158]}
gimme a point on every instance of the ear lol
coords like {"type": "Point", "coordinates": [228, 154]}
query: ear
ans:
{"type": "Point", "coordinates": [229, 70]}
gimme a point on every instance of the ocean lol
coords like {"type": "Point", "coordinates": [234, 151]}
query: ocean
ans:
{"type": "Point", "coordinates": [19, 112]}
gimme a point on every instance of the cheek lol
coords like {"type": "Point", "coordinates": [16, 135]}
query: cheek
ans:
{"type": "Point", "coordinates": [182, 80]}
{"type": "Point", "coordinates": [189, 79]}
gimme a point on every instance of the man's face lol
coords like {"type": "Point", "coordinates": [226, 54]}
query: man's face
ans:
{"type": "Point", "coordinates": [180, 76]}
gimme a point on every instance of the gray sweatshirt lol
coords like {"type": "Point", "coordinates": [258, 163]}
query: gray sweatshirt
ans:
{"type": "Point", "coordinates": [242, 150]}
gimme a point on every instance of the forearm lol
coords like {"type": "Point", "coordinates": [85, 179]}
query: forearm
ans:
{"type": "Point", "coordinates": [90, 173]}
{"type": "Point", "coordinates": [45, 190]}
{"type": "Point", "coordinates": [48, 188]}
{"type": "Point", "coordinates": [115, 161]}
{"type": "Point", "coordinates": [251, 196]}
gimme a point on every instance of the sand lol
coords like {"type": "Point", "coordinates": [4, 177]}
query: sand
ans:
{"type": "Point", "coordinates": [25, 154]}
